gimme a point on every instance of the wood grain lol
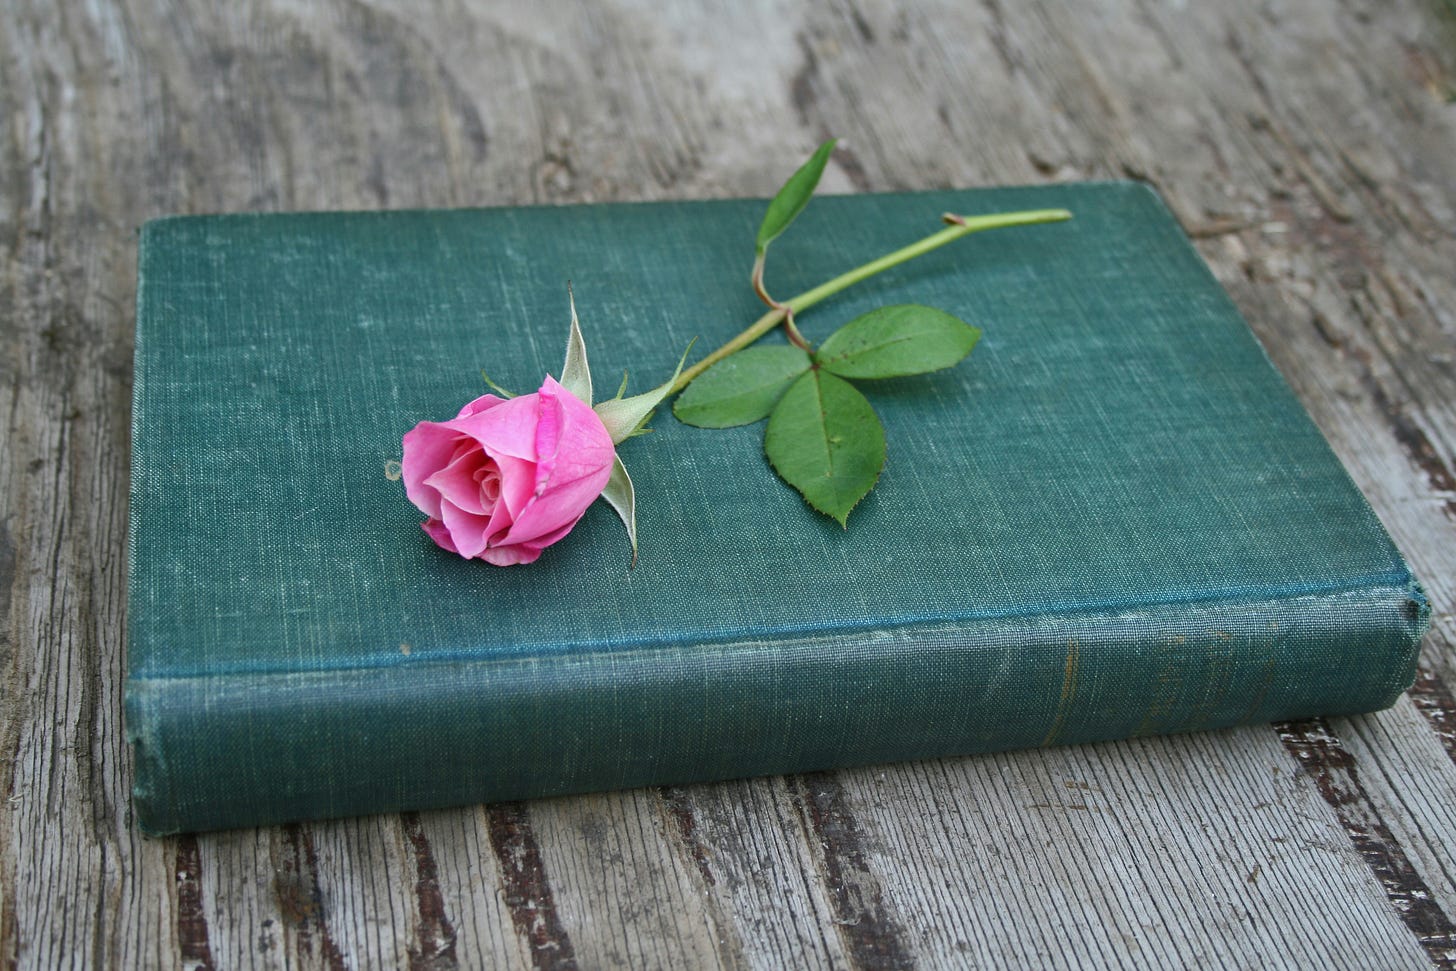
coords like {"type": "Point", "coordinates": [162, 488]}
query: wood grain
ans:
{"type": "Point", "coordinates": [1309, 146]}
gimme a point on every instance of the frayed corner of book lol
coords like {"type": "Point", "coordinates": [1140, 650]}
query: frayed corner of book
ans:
{"type": "Point", "coordinates": [149, 770]}
{"type": "Point", "coordinates": [1418, 609]}
{"type": "Point", "coordinates": [1415, 611]}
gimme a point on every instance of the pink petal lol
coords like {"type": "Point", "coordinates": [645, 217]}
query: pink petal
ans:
{"type": "Point", "coordinates": [550, 420]}
{"type": "Point", "coordinates": [507, 428]}
{"type": "Point", "coordinates": [439, 534]}
{"type": "Point", "coordinates": [518, 483]}
{"type": "Point", "coordinates": [529, 551]}
{"type": "Point", "coordinates": [500, 524]}
{"type": "Point", "coordinates": [511, 555]}
{"type": "Point", "coordinates": [555, 536]}
{"type": "Point", "coordinates": [480, 404]}
{"type": "Point", "coordinates": [560, 505]}
{"type": "Point", "coordinates": [456, 481]}
{"type": "Point", "coordinates": [575, 455]}
{"type": "Point", "coordinates": [583, 444]}
{"type": "Point", "coordinates": [467, 530]}
{"type": "Point", "coordinates": [427, 448]}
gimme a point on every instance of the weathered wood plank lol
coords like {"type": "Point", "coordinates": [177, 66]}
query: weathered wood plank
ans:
{"type": "Point", "coordinates": [468, 869]}
{"type": "Point", "coordinates": [758, 871]}
{"type": "Point", "coordinates": [1388, 834]}
{"type": "Point", "coordinates": [1310, 147]}
{"type": "Point", "coordinates": [628, 901]}
{"type": "Point", "coordinates": [79, 885]}
{"type": "Point", "coordinates": [1200, 851]}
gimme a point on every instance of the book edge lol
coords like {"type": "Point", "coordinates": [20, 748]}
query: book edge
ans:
{"type": "Point", "coordinates": [156, 223]}
{"type": "Point", "coordinates": [154, 783]}
{"type": "Point", "coordinates": [1409, 589]}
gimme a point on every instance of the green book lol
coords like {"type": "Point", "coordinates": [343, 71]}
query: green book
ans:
{"type": "Point", "coordinates": [1113, 519]}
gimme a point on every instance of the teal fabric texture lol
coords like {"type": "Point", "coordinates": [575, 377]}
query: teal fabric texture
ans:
{"type": "Point", "coordinates": [1113, 519]}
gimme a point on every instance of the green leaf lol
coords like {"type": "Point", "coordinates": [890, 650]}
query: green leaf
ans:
{"type": "Point", "coordinates": [793, 197]}
{"type": "Point", "coordinates": [741, 388]}
{"type": "Point", "coordinates": [895, 341]}
{"type": "Point", "coordinates": [823, 439]}
{"type": "Point", "coordinates": [620, 497]}
{"type": "Point", "coordinates": [624, 416]}
{"type": "Point", "coordinates": [576, 373]}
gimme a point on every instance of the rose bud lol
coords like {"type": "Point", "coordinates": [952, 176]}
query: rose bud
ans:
{"type": "Point", "coordinates": [508, 477]}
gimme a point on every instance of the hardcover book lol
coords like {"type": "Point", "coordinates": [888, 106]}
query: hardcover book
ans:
{"type": "Point", "coordinates": [1113, 519]}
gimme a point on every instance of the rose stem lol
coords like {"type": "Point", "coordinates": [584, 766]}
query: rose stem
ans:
{"type": "Point", "coordinates": [791, 330]}
{"type": "Point", "coordinates": [960, 226]}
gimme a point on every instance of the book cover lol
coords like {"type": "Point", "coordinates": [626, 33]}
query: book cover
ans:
{"type": "Point", "coordinates": [1113, 519]}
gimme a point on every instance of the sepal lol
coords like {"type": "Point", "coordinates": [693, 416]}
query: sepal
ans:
{"type": "Point", "coordinates": [624, 416]}
{"type": "Point", "coordinates": [620, 496]}
{"type": "Point", "coordinates": [576, 373]}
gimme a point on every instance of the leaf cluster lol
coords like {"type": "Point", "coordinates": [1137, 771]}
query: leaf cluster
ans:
{"type": "Point", "coordinates": [823, 436]}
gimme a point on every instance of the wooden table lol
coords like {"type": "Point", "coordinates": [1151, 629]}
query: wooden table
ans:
{"type": "Point", "coordinates": [1308, 145]}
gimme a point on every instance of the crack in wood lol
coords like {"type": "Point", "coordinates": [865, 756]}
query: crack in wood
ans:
{"type": "Point", "coordinates": [193, 947]}
{"type": "Point", "coordinates": [680, 811]}
{"type": "Point", "coordinates": [871, 936]}
{"type": "Point", "coordinates": [300, 898]}
{"type": "Point", "coordinates": [1000, 38]}
{"type": "Point", "coordinates": [527, 892]}
{"type": "Point", "coordinates": [1414, 441]}
{"type": "Point", "coordinates": [1213, 228]}
{"type": "Point", "coordinates": [1434, 700]}
{"type": "Point", "coordinates": [861, 25]}
{"type": "Point", "coordinates": [678, 807]}
{"type": "Point", "coordinates": [433, 948]}
{"type": "Point", "coordinates": [801, 87]}
{"type": "Point", "coordinates": [12, 681]}
{"type": "Point", "coordinates": [8, 561]}
{"type": "Point", "coordinates": [9, 934]}
{"type": "Point", "coordinates": [1268, 123]}
{"type": "Point", "coordinates": [1322, 755]}
{"type": "Point", "coordinates": [98, 919]}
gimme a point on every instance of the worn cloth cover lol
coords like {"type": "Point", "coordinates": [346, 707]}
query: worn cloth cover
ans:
{"type": "Point", "coordinates": [1113, 519]}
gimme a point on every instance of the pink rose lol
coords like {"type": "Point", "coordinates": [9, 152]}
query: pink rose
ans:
{"type": "Point", "coordinates": [508, 477]}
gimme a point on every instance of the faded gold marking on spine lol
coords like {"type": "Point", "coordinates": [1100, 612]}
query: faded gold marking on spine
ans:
{"type": "Point", "coordinates": [1169, 682]}
{"type": "Point", "coordinates": [1069, 692]}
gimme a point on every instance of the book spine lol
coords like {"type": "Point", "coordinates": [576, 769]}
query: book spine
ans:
{"type": "Point", "coordinates": [252, 749]}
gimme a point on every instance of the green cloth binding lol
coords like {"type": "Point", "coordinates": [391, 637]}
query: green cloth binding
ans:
{"type": "Point", "coordinates": [1113, 519]}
